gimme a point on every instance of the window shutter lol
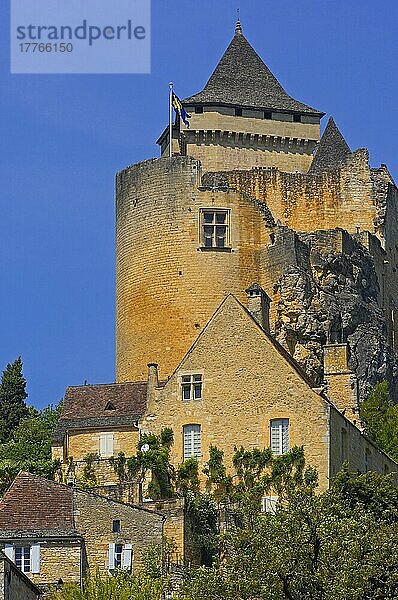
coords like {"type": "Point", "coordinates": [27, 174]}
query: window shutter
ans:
{"type": "Point", "coordinates": [9, 551]}
{"type": "Point", "coordinates": [127, 555]}
{"type": "Point", "coordinates": [111, 557]}
{"type": "Point", "coordinates": [35, 558]}
{"type": "Point", "coordinates": [102, 444]}
{"type": "Point", "coordinates": [109, 444]}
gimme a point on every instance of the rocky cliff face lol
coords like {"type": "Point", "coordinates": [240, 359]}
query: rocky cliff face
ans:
{"type": "Point", "coordinates": [332, 296]}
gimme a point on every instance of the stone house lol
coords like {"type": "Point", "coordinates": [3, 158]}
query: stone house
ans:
{"type": "Point", "coordinates": [251, 193]}
{"type": "Point", "coordinates": [14, 584]}
{"type": "Point", "coordinates": [53, 532]}
{"type": "Point", "coordinates": [237, 386]}
{"type": "Point", "coordinates": [98, 421]}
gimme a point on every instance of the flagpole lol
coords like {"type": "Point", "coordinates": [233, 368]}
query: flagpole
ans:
{"type": "Point", "coordinates": [171, 120]}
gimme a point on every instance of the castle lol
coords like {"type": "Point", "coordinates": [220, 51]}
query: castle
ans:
{"type": "Point", "coordinates": [253, 212]}
{"type": "Point", "coordinates": [256, 278]}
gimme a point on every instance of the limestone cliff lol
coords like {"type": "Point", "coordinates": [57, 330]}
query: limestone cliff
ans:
{"type": "Point", "coordinates": [331, 295]}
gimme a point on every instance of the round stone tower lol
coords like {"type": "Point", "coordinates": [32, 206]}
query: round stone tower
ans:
{"type": "Point", "coordinates": [180, 249]}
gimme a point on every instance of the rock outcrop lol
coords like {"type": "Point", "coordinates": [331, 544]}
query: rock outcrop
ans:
{"type": "Point", "coordinates": [332, 297]}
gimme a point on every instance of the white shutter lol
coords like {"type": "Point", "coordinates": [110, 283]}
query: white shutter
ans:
{"type": "Point", "coordinates": [127, 555]}
{"type": "Point", "coordinates": [192, 441]}
{"type": "Point", "coordinates": [109, 444]}
{"type": "Point", "coordinates": [9, 551]}
{"type": "Point", "coordinates": [35, 558]}
{"type": "Point", "coordinates": [111, 560]}
{"type": "Point", "coordinates": [102, 444]}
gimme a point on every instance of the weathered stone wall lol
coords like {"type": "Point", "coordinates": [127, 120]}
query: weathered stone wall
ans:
{"type": "Point", "coordinates": [347, 443]}
{"type": "Point", "coordinates": [14, 585]}
{"type": "Point", "coordinates": [341, 198]}
{"type": "Point", "coordinates": [167, 287]}
{"type": "Point", "coordinates": [83, 442]}
{"type": "Point", "coordinates": [94, 515]}
{"type": "Point", "coordinates": [246, 384]}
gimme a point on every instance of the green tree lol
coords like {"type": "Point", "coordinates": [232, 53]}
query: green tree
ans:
{"type": "Point", "coordinates": [153, 459]}
{"type": "Point", "coordinates": [12, 399]}
{"type": "Point", "coordinates": [30, 447]}
{"type": "Point", "coordinates": [122, 586]}
{"type": "Point", "coordinates": [379, 415]}
{"type": "Point", "coordinates": [337, 545]}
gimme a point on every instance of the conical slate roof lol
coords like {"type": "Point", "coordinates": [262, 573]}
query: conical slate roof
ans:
{"type": "Point", "coordinates": [242, 79]}
{"type": "Point", "coordinates": [332, 150]}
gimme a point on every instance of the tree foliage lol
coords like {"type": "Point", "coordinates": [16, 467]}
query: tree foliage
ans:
{"type": "Point", "coordinates": [122, 586]}
{"type": "Point", "coordinates": [379, 415]}
{"type": "Point", "coordinates": [12, 399]}
{"type": "Point", "coordinates": [337, 545]}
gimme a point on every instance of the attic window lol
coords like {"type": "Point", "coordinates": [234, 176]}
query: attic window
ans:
{"type": "Point", "coordinates": [198, 110]}
{"type": "Point", "coordinates": [238, 112]}
{"type": "Point", "coordinates": [297, 118]}
{"type": "Point", "coordinates": [267, 114]}
{"type": "Point", "coordinates": [110, 406]}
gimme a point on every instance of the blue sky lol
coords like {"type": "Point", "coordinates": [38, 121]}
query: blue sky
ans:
{"type": "Point", "coordinates": [63, 137]}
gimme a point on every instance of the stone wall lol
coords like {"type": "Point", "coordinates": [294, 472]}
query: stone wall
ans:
{"type": "Point", "coordinates": [246, 383]}
{"type": "Point", "coordinates": [348, 444]}
{"type": "Point", "coordinates": [83, 442]}
{"type": "Point", "coordinates": [167, 287]}
{"type": "Point", "coordinates": [14, 585]}
{"type": "Point", "coordinates": [94, 515]}
{"type": "Point", "coordinates": [224, 141]}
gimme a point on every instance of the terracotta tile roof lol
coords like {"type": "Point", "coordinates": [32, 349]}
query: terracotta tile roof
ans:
{"type": "Point", "coordinates": [332, 150]}
{"type": "Point", "coordinates": [242, 79]}
{"type": "Point", "coordinates": [34, 504]}
{"type": "Point", "coordinates": [103, 405]}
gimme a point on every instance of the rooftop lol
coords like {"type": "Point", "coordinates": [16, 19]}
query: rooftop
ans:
{"type": "Point", "coordinates": [241, 78]}
{"type": "Point", "coordinates": [332, 150]}
{"type": "Point", "coordinates": [102, 405]}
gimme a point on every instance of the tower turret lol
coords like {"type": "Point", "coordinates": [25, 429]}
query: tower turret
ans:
{"type": "Point", "coordinates": [243, 117]}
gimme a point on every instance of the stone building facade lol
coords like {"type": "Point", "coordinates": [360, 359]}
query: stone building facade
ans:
{"type": "Point", "coordinates": [54, 533]}
{"type": "Point", "coordinates": [15, 585]}
{"type": "Point", "coordinates": [256, 286]}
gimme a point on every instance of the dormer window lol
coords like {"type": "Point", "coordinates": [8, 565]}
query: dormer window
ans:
{"type": "Point", "coordinates": [110, 406]}
{"type": "Point", "coordinates": [215, 228]}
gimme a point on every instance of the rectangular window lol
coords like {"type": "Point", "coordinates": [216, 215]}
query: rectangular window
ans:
{"type": "Point", "coordinates": [116, 526]}
{"type": "Point", "coordinates": [191, 387]}
{"type": "Point", "coordinates": [198, 110]}
{"type": "Point", "coordinates": [269, 504]}
{"type": "Point", "coordinates": [22, 558]}
{"type": "Point", "coordinates": [192, 441]}
{"type": "Point", "coordinates": [215, 228]}
{"type": "Point", "coordinates": [118, 556]}
{"type": "Point", "coordinates": [297, 118]}
{"type": "Point", "coordinates": [105, 445]}
{"type": "Point", "coordinates": [280, 436]}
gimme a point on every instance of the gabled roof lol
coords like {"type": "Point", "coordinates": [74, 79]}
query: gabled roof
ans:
{"type": "Point", "coordinates": [33, 504]}
{"type": "Point", "coordinates": [91, 406]}
{"type": "Point", "coordinates": [332, 150]}
{"type": "Point", "coordinates": [230, 303]}
{"type": "Point", "coordinates": [241, 78]}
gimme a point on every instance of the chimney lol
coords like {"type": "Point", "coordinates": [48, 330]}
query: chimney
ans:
{"type": "Point", "coordinates": [258, 305]}
{"type": "Point", "coordinates": [341, 382]}
{"type": "Point", "coordinates": [153, 381]}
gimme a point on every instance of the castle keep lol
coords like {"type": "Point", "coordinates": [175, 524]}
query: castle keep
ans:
{"type": "Point", "coordinates": [251, 195]}
{"type": "Point", "coordinates": [256, 286]}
